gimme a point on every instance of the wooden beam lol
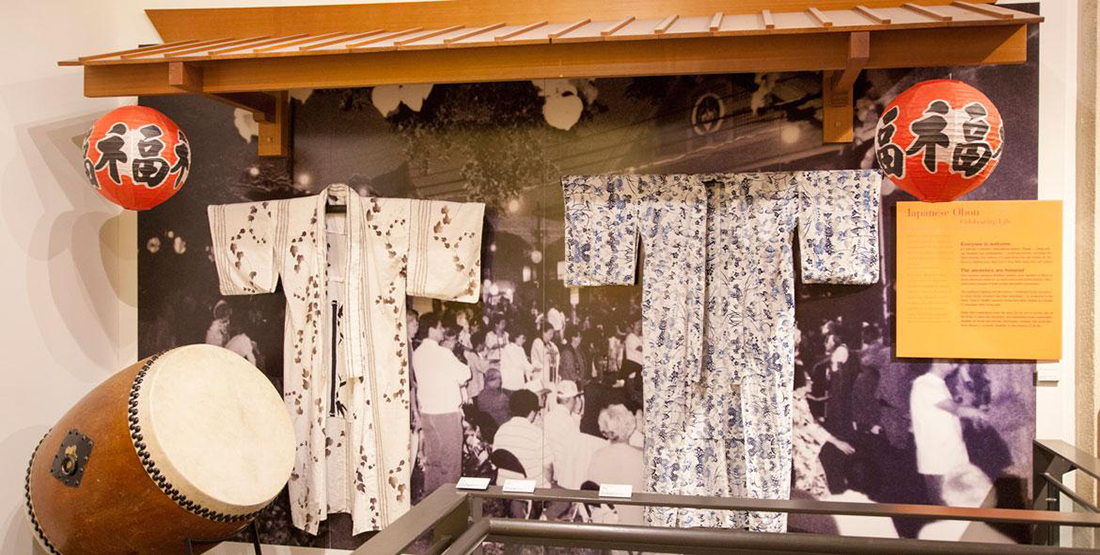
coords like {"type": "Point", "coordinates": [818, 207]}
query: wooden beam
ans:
{"type": "Point", "coordinates": [992, 11]}
{"type": "Point", "coordinates": [617, 25]}
{"type": "Point", "coordinates": [262, 105]}
{"type": "Point", "coordinates": [223, 50]}
{"type": "Point", "coordinates": [570, 28]}
{"type": "Point", "coordinates": [351, 38]}
{"type": "Point", "coordinates": [821, 19]}
{"type": "Point", "coordinates": [380, 38]}
{"type": "Point", "coordinates": [141, 53]}
{"type": "Point", "coordinates": [873, 15]}
{"type": "Point", "coordinates": [202, 23]}
{"type": "Point", "coordinates": [663, 26]}
{"type": "Point", "coordinates": [983, 45]}
{"type": "Point", "coordinates": [428, 35]}
{"type": "Point", "coordinates": [769, 21]}
{"type": "Point", "coordinates": [927, 12]}
{"type": "Point", "coordinates": [185, 76]}
{"type": "Point", "coordinates": [716, 22]}
{"type": "Point", "coordinates": [304, 40]}
{"type": "Point", "coordinates": [204, 49]}
{"type": "Point", "coordinates": [473, 33]}
{"type": "Point", "coordinates": [836, 91]}
{"type": "Point", "coordinates": [521, 30]}
{"type": "Point", "coordinates": [274, 137]}
{"type": "Point", "coordinates": [146, 49]}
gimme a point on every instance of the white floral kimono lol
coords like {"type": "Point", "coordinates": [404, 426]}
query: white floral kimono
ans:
{"type": "Point", "coordinates": [346, 378]}
{"type": "Point", "coordinates": [718, 312]}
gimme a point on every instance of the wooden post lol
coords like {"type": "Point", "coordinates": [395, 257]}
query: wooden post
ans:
{"type": "Point", "coordinates": [275, 134]}
{"type": "Point", "coordinates": [836, 91]}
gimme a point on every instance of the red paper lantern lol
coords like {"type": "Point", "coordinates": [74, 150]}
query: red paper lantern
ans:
{"type": "Point", "coordinates": [939, 140]}
{"type": "Point", "coordinates": [136, 157]}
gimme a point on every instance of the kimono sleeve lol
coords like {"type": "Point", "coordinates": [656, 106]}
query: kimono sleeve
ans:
{"type": "Point", "coordinates": [244, 247]}
{"type": "Point", "coordinates": [601, 229]}
{"type": "Point", "coordinates": [445, 250]}
{"type": "Point", "coordinates": [838, 226]}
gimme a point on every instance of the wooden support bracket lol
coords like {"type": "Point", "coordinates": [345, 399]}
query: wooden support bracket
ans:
{"type": "Point", "coordinates": [271, 111]}
{"type": "Point", "coordinates": [275, 133]}
{"type": "Point", "coordinates": [836, 91]}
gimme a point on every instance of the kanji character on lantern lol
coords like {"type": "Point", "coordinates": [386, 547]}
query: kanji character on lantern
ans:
{"type": "Point", "coordinates": [891, 157]}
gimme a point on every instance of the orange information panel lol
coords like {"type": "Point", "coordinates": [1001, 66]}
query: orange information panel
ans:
{"type": "Point", "coordinates": [980, 279]}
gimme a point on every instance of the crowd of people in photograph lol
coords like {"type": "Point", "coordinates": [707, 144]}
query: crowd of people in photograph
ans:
{"type": "Point", "coordinates": [506, 392]}
{"type": "Point", "coordinates": [871, 428]}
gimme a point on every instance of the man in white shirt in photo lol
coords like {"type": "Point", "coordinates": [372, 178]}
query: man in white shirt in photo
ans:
{"type": "Point", "coordinates": [440, 378]}
{"type": "Point", "coordinates": [514, 366]}
{"type": "Point", "coordinates": [937, 426]}
{"type": "Point", "coordinates": [525, 439]}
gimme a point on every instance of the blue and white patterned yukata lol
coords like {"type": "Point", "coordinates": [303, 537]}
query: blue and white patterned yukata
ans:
{"type": "Point", "coordinates": [718, 312]}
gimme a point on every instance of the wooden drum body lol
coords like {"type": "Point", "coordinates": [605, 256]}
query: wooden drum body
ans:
{"type": "Point", "coordinates": [191, 443]}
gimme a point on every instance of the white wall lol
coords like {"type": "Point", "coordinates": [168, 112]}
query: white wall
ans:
{"type": "Point", "coordinates": [69, 256]}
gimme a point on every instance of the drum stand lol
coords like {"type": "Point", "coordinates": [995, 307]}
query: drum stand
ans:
{"type": "Point", "coordinates": [255, 540]}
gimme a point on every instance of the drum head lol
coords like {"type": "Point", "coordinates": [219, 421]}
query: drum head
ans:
{"type": "Point", "coordinates": [216, 428]}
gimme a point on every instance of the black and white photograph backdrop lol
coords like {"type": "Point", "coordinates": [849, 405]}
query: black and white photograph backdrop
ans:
{"type": "Point", "coordinates": [507, 145]}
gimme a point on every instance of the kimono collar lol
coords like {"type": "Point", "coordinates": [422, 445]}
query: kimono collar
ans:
{"type": "Point", "coordinates": [336, 194]}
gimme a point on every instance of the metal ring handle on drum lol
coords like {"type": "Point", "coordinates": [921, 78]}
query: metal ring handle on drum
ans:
{"type": "Point", "coordinates": [151, 466]}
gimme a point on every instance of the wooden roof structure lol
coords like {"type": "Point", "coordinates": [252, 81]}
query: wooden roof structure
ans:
{"type": "Point", "coordinates": [250, 57]}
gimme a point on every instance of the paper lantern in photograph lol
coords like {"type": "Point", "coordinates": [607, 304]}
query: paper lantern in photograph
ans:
{"type": "Point", "coordinates": [939, 140]}
{"type": "Point", "coordinates": [136, 157]}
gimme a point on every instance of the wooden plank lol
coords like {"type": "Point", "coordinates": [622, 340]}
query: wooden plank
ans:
{"type": "Point", "coordinates": [243, 42]}
{"type": "Point", "coordinates": [185, 76]}
{"type": "Point", "coordinates": [385, 37]}
{"type": "Point", "coordinates": [873, 15]}
{"type": "Point", "coordinates": [925, 11]}
{"type": "Point", "coordinates": [299, 42]}
{"type": "Point", "coordinates": [637, 30]}
{"type": "Point", "coordinates": [665, 24]}
{"type": "Point", "coordinates": [992, 11]}
{"type": "Point", "coordinates": [147, 49]}
{"type": "Point", "coordinates": [769, 21]}
{"type": "Point", "coordinates": [821, 18]}
{"type": "Point", "coordinates": [569, 28]}
{"type": "Point", "coordinates": [521, 30]}
{"type": "Point", "coordinates": [274, 137]}
{"type": "Point", "coordinates": [205, 43]}
{"type": "Point", "coordinates": [473, 33]}
{"type": "Point", "coordinates": [716, 22]}
{"type": "Point", "coordinates": [610, 30]}
{"type": "Point", "coordinates": [208, 23]}
{"type": "Point", "coordinates": [253, 46]}
{"type": "Point", "coordinates": [347, 39]}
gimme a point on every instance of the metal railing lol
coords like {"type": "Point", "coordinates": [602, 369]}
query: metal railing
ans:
{"type": "Point", "coordinates": [456, 524]}
{"type": "Point", "coordinates": [1053, 459]}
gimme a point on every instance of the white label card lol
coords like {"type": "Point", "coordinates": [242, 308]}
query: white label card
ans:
{"type": "Point", "coordinates": [623, 491]}
{"type": "Point", "coordinates": [519, 486]}
{"type": "Point", "coordinates": [467, 482]}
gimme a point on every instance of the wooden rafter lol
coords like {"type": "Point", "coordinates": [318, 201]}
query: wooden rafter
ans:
{"type": "Point", "coordinates": [716, 22]}
{"type": "Point", "coordinates": [821, 19]}
{"type": "Point", "coordinates": [873, 15]}
{"type": "Point", "coordinates": [609, 30]}
{"type": "Point", "coordinates": [927, 11]}
{"type": "Point", "coordinates": [769, 21]}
